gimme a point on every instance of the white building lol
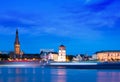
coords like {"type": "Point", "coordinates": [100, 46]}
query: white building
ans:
{"type": "Point", "coordinates": [77, 58]}
{"type": "Point", "coordinates": [53, 56]}
{"type": "Point", "coordinates": [62, 53]}
{"type": "Point", "coordinates": [94, 57]}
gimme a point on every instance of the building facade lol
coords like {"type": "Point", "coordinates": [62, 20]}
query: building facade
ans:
{"type": "Point", "coordinates": [53, 56]}
{"type": "Point", "coordinates": [46, 54]}
{"type": "Point", "coordinates": [62, 53]}
{"type": "Point", "coordinates": [111, 55]}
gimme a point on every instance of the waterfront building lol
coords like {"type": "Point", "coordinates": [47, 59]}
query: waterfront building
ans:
{"type": "Point", "coordinates": [31, 57]}
{"type": "Point", "coordinates": [44, 54]}
{"type": "Point", "coordinates": [77, 58]}
{"type": "Point", "coordinates": [53, 56]}
{"type": "Point", "coordinates": [110, 55]}
{"type": "Point", "coordinates": [4, 56]}
{"type": "Point", "coordinates": [69, 58]}
{"type": "Point", "coordinates": [48, 54]}
{"type": "Point", "coordinates": [17, 44]}
{"type": "Point", "coordinates": [17, 50]}
{"type": "Point", "coordinates": [94, 57]}
{"type": "Point", "coordinates": [62, 53]}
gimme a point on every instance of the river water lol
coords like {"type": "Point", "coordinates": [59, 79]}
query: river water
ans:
{"type": "Point", "coordinates": [57, 75]}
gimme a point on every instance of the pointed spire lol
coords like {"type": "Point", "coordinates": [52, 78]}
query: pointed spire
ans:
{"type": "Point", "coordinates": [17, 38]}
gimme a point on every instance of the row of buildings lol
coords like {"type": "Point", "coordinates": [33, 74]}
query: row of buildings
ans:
{"type": "Point", "coordinates": [44, 54]}
{"type": "Point", "coordinates": [49, 54]}
{"type": "Point", "coordinates": [109, 55]}
{"type": "Point", "coordinates": [60, 56]}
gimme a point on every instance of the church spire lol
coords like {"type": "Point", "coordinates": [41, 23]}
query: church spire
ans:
{"type": "Point", "coordinates": [17, 44]}
{"type": "Point", "coordinates": [17, 38]}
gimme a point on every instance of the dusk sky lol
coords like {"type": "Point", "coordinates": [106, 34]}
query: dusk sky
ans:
{"type": "Point", "coordinates": [83, 26]}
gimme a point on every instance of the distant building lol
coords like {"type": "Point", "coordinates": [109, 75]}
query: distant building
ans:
{"type": "Point", "coordinates": [110, 55]}
{"type": "Point", "coordinates": [17, 50]}
{"type": "Point", "coordinates": [4, 55]}
{"type": "Point", "coordinates": [53, 56]}
{"type": "Point", "coordinates": [69, 58]}
{"type": "Point", "coordinates": [77, 58]}
{"type": "Point", "coordinates": [31, 57]}
{"type": "Point", "coordinates": [94, 57]}
{"type": "Point", "coordinates": [49, 54]}
{"type": "Point", "coordinates": [44, 53]}
{"type": "Point", "coordinates": [62, 53]}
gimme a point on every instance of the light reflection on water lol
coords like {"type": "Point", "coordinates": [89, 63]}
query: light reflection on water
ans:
{"type": "Point", "coordinates": [108, 76]}
{"type": "Point", "coordinates": [57, 75]}
{"type": "Point", "coordinates": [32, 75]}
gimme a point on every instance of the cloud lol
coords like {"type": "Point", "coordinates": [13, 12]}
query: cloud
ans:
{"type": "Point", "coordinates": [75, 19]}
{"type": "Point", "coordinates": [16, 20]}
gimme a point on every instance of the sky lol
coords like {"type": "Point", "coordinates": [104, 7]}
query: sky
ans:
{"type": "Point", "coordinates": [83, 26]}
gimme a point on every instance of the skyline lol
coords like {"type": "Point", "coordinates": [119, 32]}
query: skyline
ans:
{"type": "Point", "coordinates": [83, 26]}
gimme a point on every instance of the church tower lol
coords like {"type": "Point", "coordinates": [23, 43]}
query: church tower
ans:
{"type": "Point", "coordinates": [17, 44]}
{"type": "Point", "coordinates": [62, 53]}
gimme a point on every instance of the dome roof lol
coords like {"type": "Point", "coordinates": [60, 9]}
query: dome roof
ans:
{"type": "Point", "coordinates": [62, 46]}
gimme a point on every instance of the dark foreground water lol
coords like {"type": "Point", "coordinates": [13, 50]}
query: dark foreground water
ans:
{"type": "Point", "coordinates": [57, 75]}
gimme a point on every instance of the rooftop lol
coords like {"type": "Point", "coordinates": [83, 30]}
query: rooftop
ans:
{"type": "Point", "coordinates": [62, 46]}
{"type": "Point", "coordinates": [108, 51]}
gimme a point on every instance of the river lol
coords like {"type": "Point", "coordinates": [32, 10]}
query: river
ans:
{"type": "Point", "coordinates": [41, 74]}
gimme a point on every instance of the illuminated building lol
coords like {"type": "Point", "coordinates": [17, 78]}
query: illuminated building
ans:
{"type": "Point", "coordinates": [111, 55]}
{"type": "Point", "coordinates": [45, 54]}
{"type": "Point", "coordinates": [53, 56]}
{"type": "Point", "coordinates": [17, 50]}
{"type": "Point", "coordinates": [62, 53]}
{"type": "Point", "coordinates": [49, 54]}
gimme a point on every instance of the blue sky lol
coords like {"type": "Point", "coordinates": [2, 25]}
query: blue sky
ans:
{"type": "Point", "coordinates": [83, 26]}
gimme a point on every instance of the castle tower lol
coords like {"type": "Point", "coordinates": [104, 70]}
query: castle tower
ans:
{"type": "Point", "coordinates": [17, 44]}
{"type": "Point", "coordinates": [62, 53]}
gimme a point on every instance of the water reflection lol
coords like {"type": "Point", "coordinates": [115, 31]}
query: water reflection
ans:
{"type": "Point", "coordinates": [17, 71]}
{"type": "Point", "coordinates": [58, 75]}
{"type": "Point", "coordinates": [32, 75]}
{"type": "Point", "coordinates": [108, 76]}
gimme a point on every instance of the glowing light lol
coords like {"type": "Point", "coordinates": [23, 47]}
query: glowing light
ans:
{"type": "Point", "coordinates": [73, 63]}
{"type": "Point", "coordinates": [12, 65]}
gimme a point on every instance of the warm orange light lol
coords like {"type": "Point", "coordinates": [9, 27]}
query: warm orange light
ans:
{"type": "Point", "coordinates": [108, 56]}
